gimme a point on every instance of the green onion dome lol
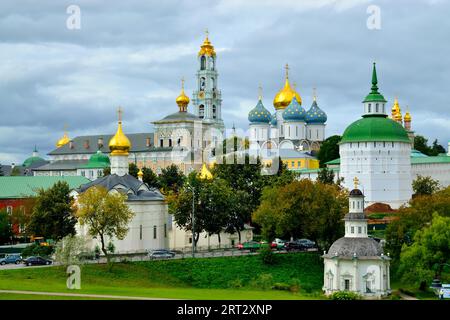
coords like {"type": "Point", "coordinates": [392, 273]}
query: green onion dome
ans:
{"type": "Point", "coordinates": [294, 112]}
{"type": "Point", "coordinates": [375, 128]}
{"type": "Point", "coordinates": [315, 114]}
{"type": "Point", "coordinates": [259, 114]}
{"type": "Point", "coordinates": [98, 160]}
{"type": "Point", "coordinates": [32, 160]}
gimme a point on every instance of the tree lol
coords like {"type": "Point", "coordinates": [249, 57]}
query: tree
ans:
{"type": "Point", "coordinates": [69, 249]}
{"type": "Point", "coordinates": [420, 144]}
{"type": "Point", "coordinates": [106, 171]}
{"type": "Point", "coordinates": [325, 176]}
{"type": "Point", "coordinates": [150, 178]}
{"type": "Point", "coordinates": [53, 216]}
{"type": "Point", "coordinates": [105, 214]}
{"type": "Point", "coordinates": [412, 218]}
{"type": "Point", "coordinates": [425, 258]}
{"type": "Point", "coordinates": [425, 185]}
{"type": "Point", "coordinates": [5, 227]}
{"type": "Point", "coordinates": [15, 171]}
{"type": "Point", "coordinates": [171, 179]}
{"type": "Point", "coordinates": [133, 169]}
{"type": "Point", "coordinates": [1, 170]}
{"type": "Point", "coordinates": [303, 209]}
{"type": "Point", "coordinates": [329, 150]}
{"type": "Point", "coordinates": [437, 148]}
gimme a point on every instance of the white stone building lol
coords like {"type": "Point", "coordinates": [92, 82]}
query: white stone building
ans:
{"type": "Point", "coordinates": [356, 262]}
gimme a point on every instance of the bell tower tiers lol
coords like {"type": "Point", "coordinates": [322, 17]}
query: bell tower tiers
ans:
{"type": "Point", "coordinates": [207, 98]}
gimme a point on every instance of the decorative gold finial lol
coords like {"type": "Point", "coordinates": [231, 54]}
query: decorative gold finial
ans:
{"type": "Point", "coordinates": [260, 92]}
{"type": "Point", "coordinates": [356, 182]}
{"type": "Point", "coordinates": [314, 94]}
{"type": "Point", "coordinates": [206, 33]}
{"type": "Point", "coordinates": [119, 113]}
{"type": "Point", "coordinates": [287, 71]}
{"type": "Point", "coordinates": [182, 83]}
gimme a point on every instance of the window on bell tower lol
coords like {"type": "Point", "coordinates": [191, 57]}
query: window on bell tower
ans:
{"type": "Point", "coordinates": [201, 111]}
{"type": "Point", "coordinates": [202, 63]}
{"type": "Point", "coordinates": [214, 111]}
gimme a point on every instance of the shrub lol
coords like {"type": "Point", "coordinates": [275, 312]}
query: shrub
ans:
{"type": "Point", "coordinates": [267, 256]}
{"type": "Point", "coordinates": [37, 250]}
{"type": "Point", "coordinates": [345, 295]}
{"type": "Point", "coordinates": [264, 281]}
{"type": "Point", "coordinates": [281, 286]}
{"type": "Point", "coordinates": [294, 285]}
{"type": "Point", "coordinates": [236, 283]}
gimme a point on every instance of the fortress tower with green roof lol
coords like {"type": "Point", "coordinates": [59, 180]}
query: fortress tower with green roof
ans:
{"type": "Point", "coordinates": [376, 149]}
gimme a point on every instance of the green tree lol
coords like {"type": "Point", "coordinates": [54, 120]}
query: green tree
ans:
{"type": "Point", "coordinates": [1, 171]}
{"type": "Point", "coordinates": [150, 178]}
{"type": "Point", "coordinates": [425, 185]}
{"type": "Point", "coordinates": [105, 214]}
{"type": "Point", "coordinates": [171, 179]}
{"type": "Point", "coordinates": [5, 227]}
{"type": "Point", "coordinates": [106, 171]}
{"type": "Point", "coordinates": [15, 171]}
{"type": "Point", "coordinates": [303, 209]}
{"type": "Point", "coordinates": [412, 218]}
{"type": "Point", "coordinates": [329, 150]}
{"type": "Point", "coordinates": [69, 249]}
{"type": "Point", "coordinates": [437, 148]}
{"type": "Point", "coordinates": [420, 144]}
{"type": "Point", "coordinates": [426, 257]}
{"type": "Point", "coordinates": [53, 216]}
{"type": "Point", "coordinates": [133, 169]}
{"type": "Point", "coordinates": [325, 176]}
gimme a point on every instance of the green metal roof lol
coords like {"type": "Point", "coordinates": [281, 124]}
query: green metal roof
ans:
{"type": "Point", "coordinates": [335, 161]}
{"type": "Point", "coordinates": [24, 187]}
{"type": "Point", "coordinates": [98, 160]}
{"type": "Point", "coordinates": [375, 128]}
{"type": "Point", "coordinates": [313, 170]}
{"type": "Point", "coordinates": [414, 159]}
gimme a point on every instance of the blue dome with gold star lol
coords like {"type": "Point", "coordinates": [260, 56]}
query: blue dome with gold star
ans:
{"type": "Point", "coordinates": [315, 114]}
{"type": "Point", "coordinates": [259, 114]}
{"type": "Point", "coordinates": [294, 112]}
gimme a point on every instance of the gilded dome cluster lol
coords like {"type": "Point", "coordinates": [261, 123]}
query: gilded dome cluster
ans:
{"type": "Point", "coordinates": [284, 97]}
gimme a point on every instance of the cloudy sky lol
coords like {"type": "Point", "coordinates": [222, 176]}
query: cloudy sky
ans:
{"type": "Point", "coordinates": [133, 53]}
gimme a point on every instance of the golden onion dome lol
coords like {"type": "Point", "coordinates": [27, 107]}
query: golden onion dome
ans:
{"type": "Point", "coordinates": [407, 117]}
{"type": "Point", "coordinates": [395, 109]}
{"type": "Point", "coordinates": [119, 143]}
{"type": "Point", "coordinates": [207, 48]}
{"type": "Point", "coordinates": [398, 116]}
{"type": "Point", "coordinates": [284, 97]}
{"type": "Point", "coordinates": [140, 173]}
{"type": "Point", "coordinates": [182, 100]}
{"type": "Point", "coordinates": [205, 174]}
{"type": "Point", "coordinates": [63, 141]}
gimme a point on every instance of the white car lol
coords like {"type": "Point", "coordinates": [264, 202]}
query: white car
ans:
{"type": "Point", "coordinates": [444, 293]}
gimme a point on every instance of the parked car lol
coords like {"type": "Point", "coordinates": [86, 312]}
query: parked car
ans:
{"type": "Point", "coordinates": [253, 245]}
{"type": "Point", "coordinates": [299, 245]}
{"type": "Point", "coordinates": [11, 258]}
{"type": "Point", "coordinates": [278, 244]}
{"type": "Point", "coordinates": [37, 261]}
{"type": "Point", "coordinates": [161, 254]}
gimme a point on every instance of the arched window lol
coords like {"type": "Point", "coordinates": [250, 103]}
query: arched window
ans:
{"type": "Point", "coordinates": [202, 63]}
{"type": "Point", "coordinates": [214, 111]}
{"type": "Point", "coordinates": [201, 111]}
{"type": "Point", "coordinates": [370, 107]}
{"type": "Point", "coordinates": [376, 107]}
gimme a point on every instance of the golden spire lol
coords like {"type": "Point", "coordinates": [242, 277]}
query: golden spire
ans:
{"type": "Point", "coordinates": [182, 100]}
{"type": "Point", "coordinates": [207, 48]}
{"type": "Point", "coordinates": [284, 97]}
{"type": "Point", "coordinates": [65, 138]}
{"type": "Point", "coordinates": [356, 182]}
{"type": "Point", "coordinates": [119, 143]}
{"type": "Point", "coordinates": [205, 174]}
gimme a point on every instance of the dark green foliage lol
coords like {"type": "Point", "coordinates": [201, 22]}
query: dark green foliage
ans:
{"type": "Point", "coordinates": [133, 169]}
{"type": "Point", "coordinates": [421, 144]}
{"type": "Point", "coordinates": [325, 176]}
{"type": "Point", "coordinates": [37, 250]}
{"type": "Point", "coordinates": [267, 256]}
{"type": "Point", "coordinates": [5, 227]}
{"type": "Point", "coordinates": [15, 171]}
{"type": "Point", "coordinates": [1, 171]}
{"type": "Point", "coordinates": [329, 150]}
{"type": "Point", "coordinates": [106, 171]}
{"type": "Point", "coordinates": [344, 295]}
{"type": "Point", "coordinates": [425, 186]}
{"type": "Point", "coordinates": [171, 179]}
{"type": "Point", "coordinates": [53, 216]}
{"type": "Point", "coordinates": [150, 178]}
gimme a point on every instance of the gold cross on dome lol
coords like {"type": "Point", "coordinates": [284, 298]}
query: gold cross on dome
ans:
{"type": "Point", "coordinates": [260, 92]}
{"type": "Point", "coordinates": [314, 94]}
{"type": "Point", "coordinates": [206, 33]}
{"type": "Point", "coordinates": [356, 182]}
{"type": "Point", "coordinates": [119, 113]}
{"type": "Point", "coordinates": [182, 83]}
{"type": "Point", "coordinates": [65, 127]}
{"type": "Point", "coordinates": [287, 71]}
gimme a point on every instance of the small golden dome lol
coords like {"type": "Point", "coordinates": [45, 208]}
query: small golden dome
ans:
{"type": "Point", "coordinates": [182, 100]}
{"type": "Point", "coordinates": [284, 97]}
{"type": "Point", "coordinates": [205, 174]}
{"type": "Point", "coordinates": [140, 173]}
{"type": "Point", "coordinates": [207, 48]}
{"type": "Point", "coordinates": [395, 110]}
{"type": "Point", "coordinates": [119, 143]}
{"type": "Point", "coordinates": [63, 141]}
{"type": "Point", "coordinates": [398, 116]}
{"type": "Point", "coordinates": [407, 117]}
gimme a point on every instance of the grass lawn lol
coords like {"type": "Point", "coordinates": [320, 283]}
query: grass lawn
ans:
{"type": "Point", "coordinates": [243, 277]}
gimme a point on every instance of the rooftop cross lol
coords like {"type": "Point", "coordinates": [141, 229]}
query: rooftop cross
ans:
{"type": "Point", "coordinates": [287, 71]}
{"type": "Point", "coordinates": [260, 92]}
{"type": "Point", "coordinates": [356, 182]}
{"type": "Point", "coordinates": [119, 113]}
{"type": "Point", "coordinates": [314, 93]}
